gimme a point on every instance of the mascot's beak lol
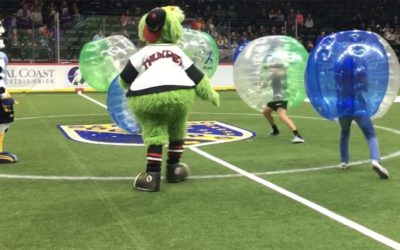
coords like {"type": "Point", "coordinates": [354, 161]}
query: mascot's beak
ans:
{"type": "Point", "coordinates": [155, 21]}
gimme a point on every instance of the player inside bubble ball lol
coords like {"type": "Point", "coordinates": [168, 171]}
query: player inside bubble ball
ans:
{"type": "Point", "coordinates": [351, 77]}
{"type": "Point", "coordinates": [274, 76]}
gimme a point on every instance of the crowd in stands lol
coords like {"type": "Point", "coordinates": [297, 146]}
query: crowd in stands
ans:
{"type": "Point", "coordinates": [32, 25]}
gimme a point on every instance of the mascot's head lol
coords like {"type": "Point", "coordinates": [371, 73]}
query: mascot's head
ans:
{"type": "Point", "coordinates": [162, 25]}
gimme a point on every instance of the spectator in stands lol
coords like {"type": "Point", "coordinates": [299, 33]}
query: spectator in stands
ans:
{"type": "Point", "coordinates": [14, 43]}
{"type": "Point", "coordinates": [64, 4]}
{"type": "Point", "coordinates": [263, 13]}
{"type": "Point", "coordinates": [250, 32]}
{"type": "Point", "coordinates": [197, 23]}
{"type": "Point", "coordinates": [27, 38]}
{"type": "Point", "coordinates": [320, 36]}
{"type": "Point", "coordinates": [274, 30]}
{"type": "Point", "coordinates": [66, 18]}
{"type": "Point", "coordinates": [291, 18]}
{"type": "Point", "coordinates": [374, 27]}
{"type": "Point", "coordinates": [280, 17]}
{"type": "Point", "coordinates": [309, 23]}
{"type": "Point", "coordinates": [273, 14]}
{"type": "Point", "coordinates": [137, 14]}
{"type": "Point", "coordinates": [210, 27]}
{"type": "Point", "coordinates": [116, 5]}
{"type": "Point", "coordinates": [12, 22]}
{"type": "Point", "coordinates": [283, 30]}
{"type": "Point", "coordinates": [207, 12]}
{"type": "Point", "coordinates": [219, 12]}
{"type": "Point", "coordinates": [395, 21]}
{"type": "Point", "coordinates": [222, 42]}
{"type": "Point", "coordinates": [389, 36]}
{"type": "Point", "coordinates": [48, 33]}
{"type": "Point", "coordinates": [233, 43]}
{"type": "Point", "coordinates": [76, 16]}
{"type": "Point", "coordinates": [24, 16]}
{"type": "Point", "coordinates": [44, 34]}
{"type": "Point", "coordinates": [48, 8]}
{"type": "Point", "coordinates": [262, 31]}
{"type": "Point", "coordinates": [44, 50]}
{"type": "Point", "coordinates": [36, 16]}
{"type": "Point", "coordinates": [99, 35]}
{"type": "Point", "coordinates": [50, 19]}
{"type": "Point", "coordinates": [125, 33]}
{"type": "Point", "coordinates": [358, 21]}
{"type": "Point", "coordinates": [396, 37]}
{"type": "Point", "coordinates": [126, 18]}
{"type": "Point", "coordinates": [231, 13]}
{"type": "Point", "coordinates": [309, 45]}
{"type": "Point", "coordinates": [27, 2]}
{"type": "Point", "coordinates": [299, 18]}
{"type": "Point", "coordinates": [386, 28]}
{"type": "Point", "coordinates": [13, 38]}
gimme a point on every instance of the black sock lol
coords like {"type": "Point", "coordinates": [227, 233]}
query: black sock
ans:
{"type": "Point", "coordinates": [296, 133]}
{"type": "Point", "coordinates": [275, 128]}
{"type": "Point", "coordinates": [154, 158]}
{"type": "Point", "coordinates": [175, 151]}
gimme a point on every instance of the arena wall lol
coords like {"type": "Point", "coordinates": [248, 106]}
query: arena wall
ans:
{"type": "Point", "coordinates": [32, 77]}
{"type": "Point", "coordinates": [41, 77]}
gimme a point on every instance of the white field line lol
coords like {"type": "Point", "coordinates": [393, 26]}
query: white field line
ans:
{"type": "Point", "coordinates": [194, 177]}
{"type": "Point", "coordinates": [118, 178]}
{"type": "Point", "coordinates": [360, 228]}
{"type": "Point", "coordinates": [351, 224]}
{"type": "Point", "coordinates": [56, 116]}
{"type": "Point", "coordinates": [92, 100]}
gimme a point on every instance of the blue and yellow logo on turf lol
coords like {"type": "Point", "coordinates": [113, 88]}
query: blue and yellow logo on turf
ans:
{"type": "Point", "coordinates": [198, 133]}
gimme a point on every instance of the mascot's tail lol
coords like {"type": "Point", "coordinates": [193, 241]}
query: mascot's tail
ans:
{"type": "Point", "coordinates": [205, 91]}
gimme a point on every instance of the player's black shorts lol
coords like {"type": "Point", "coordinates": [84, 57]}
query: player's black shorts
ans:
{"type": "Point", "coordinates": [274, 105]}
{"type": "Point", "coordinates": [6, 115]}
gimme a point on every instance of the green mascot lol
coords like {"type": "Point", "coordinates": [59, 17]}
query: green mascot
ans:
{"type": "Point", "coordinates": [162, 84]}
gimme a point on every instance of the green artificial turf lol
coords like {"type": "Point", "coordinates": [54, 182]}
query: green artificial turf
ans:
{"type": "Point", "coordinates": [215, 209]}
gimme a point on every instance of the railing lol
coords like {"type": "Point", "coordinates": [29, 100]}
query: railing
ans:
{"type": "Point", "coordinates": [63, 39]}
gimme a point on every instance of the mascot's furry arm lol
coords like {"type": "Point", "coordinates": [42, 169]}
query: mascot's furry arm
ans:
{"type": "Point", "coordinates": [205, 91]}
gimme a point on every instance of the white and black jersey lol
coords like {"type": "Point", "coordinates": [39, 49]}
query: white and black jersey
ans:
{"type": "Point", "coordinates": [3, 71]}
{"type": "Point", "coordinates": [159, 68]}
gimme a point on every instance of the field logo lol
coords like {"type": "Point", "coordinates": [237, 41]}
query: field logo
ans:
{"type": "Point", "coordinates": [198, 133]}
{"type": "Point", "coordinates": [75, 77]}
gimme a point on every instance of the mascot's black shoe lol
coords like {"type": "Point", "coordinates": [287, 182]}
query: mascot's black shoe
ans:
{"type": "Point", "coordinates": [6, 157]}
{"type": "Point", "coordinates": [149, 182]}
{"type": "Point", "coordinates": [177, 172]}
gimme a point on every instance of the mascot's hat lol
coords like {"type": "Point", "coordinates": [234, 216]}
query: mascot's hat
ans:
{"type": "Point", "coordinates": [155, 21]}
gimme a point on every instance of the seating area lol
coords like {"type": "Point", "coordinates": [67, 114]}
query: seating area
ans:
{"type": "Point", "coordinates": [229, 22]}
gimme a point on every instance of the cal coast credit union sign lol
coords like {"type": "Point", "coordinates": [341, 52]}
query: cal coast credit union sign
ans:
{"type": "Point", "coordinates": [37, 77]}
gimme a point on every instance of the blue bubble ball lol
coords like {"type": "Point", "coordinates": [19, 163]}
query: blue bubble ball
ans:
{"type": "Point", "coordinates": [238, 50]}
{"type": "Point", "coordinates": [352, 73]}
{"type": "Point", "coordinates": [118, 109]}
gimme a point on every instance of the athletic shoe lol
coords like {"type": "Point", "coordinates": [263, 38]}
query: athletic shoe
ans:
{"type": "Point", "coordinates": [344, 165]}
{"type": "Point", "coordinates": [380, 170]}
{"type": "Point", "coordinates": [149, 182]}
{"type": "Point", "coordinates": [6, 157]}
{"type": "Point", "coordinates": [273, 133]}
{"type": "Point", "coordinates": [177, 172]}
{"type": "Point", "coordinates": [297, 139]}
